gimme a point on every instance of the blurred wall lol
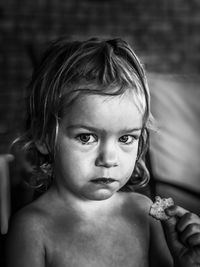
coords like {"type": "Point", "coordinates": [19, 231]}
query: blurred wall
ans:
{"type": "Point", "coordinates": [175, 144]}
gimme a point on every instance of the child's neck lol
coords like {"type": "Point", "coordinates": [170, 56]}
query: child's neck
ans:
{"type": "Point", "coordinates": [85, 206]}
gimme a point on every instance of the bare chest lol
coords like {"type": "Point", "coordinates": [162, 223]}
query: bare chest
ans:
{"type": "Point", "coordinates": [112, 244]}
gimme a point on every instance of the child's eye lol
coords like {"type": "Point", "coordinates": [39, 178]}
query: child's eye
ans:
{"type": "Point", "coordinates": [127, 139]}
{"type": "Point", "coordinates": [85, 138]}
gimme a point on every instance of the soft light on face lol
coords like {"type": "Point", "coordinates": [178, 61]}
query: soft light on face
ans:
{"type": "Point", "coordinates": [97, 145]}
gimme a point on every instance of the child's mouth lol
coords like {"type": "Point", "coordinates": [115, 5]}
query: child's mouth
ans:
{"type": "Point", "coordinates": [103, 180]}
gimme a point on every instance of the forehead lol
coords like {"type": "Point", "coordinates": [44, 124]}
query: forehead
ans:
{"type": "Point", "coordinates": [84, 88]}
{"type": "Point", "coordinates": [99, 111]}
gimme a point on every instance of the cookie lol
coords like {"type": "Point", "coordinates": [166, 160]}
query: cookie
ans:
{"type": "Point", "coordinates": [157, 209]}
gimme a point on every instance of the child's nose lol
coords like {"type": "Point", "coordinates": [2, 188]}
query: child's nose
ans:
{"type": "Point", "coordinates": [108, 156]}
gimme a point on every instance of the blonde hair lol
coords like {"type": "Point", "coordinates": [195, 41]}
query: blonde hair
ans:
{"type": "Point", "coordinates": [60, 78]}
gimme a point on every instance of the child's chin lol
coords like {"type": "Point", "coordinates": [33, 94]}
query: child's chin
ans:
{"type": "Point", "coordinates": [101, 195]}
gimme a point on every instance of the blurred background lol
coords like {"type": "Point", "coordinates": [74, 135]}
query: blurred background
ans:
{"type": "Point", "coordinates": [163, 33]}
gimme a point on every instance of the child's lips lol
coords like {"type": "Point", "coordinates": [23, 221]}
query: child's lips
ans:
{"type": "Point", "coordinates": [103, 180]}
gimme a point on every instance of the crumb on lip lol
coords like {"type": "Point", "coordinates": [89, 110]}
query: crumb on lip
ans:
{"type": "Point", "coordinates": [157, 209]}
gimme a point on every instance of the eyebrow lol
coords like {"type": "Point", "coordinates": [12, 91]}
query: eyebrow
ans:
{"type": "Point", "coordinates": [91, 128]}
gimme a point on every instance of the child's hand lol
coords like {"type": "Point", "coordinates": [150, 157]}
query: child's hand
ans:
{"type": "Point", "coordinates": [182, 232]}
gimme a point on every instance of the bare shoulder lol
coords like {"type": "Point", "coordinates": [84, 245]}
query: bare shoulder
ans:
{"type": "Point", "coordinates": [159, 252]}
{"type": "Point", "coordinates": [140, 202]}
{"type": "Point", "coordinates": [30, 217]}
{"type": "Point", "coordinates": [25, 242]}
{"type": "Point", "coordinates": [32, 221]}
{"type": "Point", "coordinates": [143, 199]}
{"type": "Point", "coordinates": [27, 226]}
{"type": "Point", "coordinates": [136, 208]}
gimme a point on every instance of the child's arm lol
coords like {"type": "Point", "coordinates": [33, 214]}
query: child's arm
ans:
{"type": "Point", "coordinates": [25, 243]}
{"type": "Point", "coordinates": [182, 232]}
{"type": "Point", "coordinates": [159, 254]}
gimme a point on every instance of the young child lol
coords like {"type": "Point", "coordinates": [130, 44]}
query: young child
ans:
{"type": "Point", "coordinates": [87, 133]}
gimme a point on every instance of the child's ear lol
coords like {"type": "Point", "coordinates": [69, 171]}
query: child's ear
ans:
{"type": "Point", "coordinates": [42, 147]}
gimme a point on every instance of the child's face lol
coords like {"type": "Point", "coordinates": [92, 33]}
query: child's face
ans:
{"type": "Point", "coordinates": [97, 139]}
